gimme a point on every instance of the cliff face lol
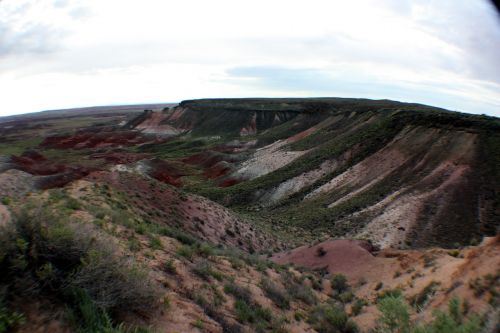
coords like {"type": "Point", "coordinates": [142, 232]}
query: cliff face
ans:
{"type": "Point", "coordinates": [398, 174]}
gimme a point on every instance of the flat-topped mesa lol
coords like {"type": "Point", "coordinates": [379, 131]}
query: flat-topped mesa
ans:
{"type": "Point", "coordinates": [249, 116]}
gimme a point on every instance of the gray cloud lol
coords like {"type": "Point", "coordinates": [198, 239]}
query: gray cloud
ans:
{"type": "Point", "coordinates": [20, 37]}
{"type": "Point", "coordinates": [471, 26]}
{"type": "Point", "coordinates": [30, 39]}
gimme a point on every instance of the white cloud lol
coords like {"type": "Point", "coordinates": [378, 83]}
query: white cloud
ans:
{"type": "Point", "coordinates": [56, 54]}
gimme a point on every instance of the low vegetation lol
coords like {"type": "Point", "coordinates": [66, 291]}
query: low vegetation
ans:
{"type": "Point", "coordinates": [395, 318]}
{"type": "Point", "coordinates": [331, 318]}
{"type": "Point", "coordinates": [117, 250]}
{"type": "Point", "coordinates": [44, 255]}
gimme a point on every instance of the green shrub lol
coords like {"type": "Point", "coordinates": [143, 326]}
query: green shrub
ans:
{"type": "Point", "coordinates": [275, 293]}
{"type": "Point", "coordinates": [204, 270]}
{"type": "Point", "coordinates": [303, 293]}
{"type": "Point", "coordinates": [339, 283]}
{"type": "Point", "coordinates": [205, 250]}
{"type": "Point", "coordinates": [419, 300]}
{"type": "Point", "coordinates": [155, 243]}
{"type": "Point", "coordinates": [239, 292]}
{"type": "Point", "coordinates": [73, 204]}
{"type": "Point", "coordinates": [6, 200]}
{"type": "Point", "coordinates": [298, 315]}
{"type": "Point", "coordinates": [328, 318]}
{"type": "Point", "coordinates": [244, 312]}
{"type": "Point", "coordinates": [346, 297]}
{"type": "Point", "coordinates": [358, 305]}
{"type": "Point", "coordinates": [134, 245]}
{"type": "Point", "coordinates": [56, 195]}
{"type": "Point", "coordinates": [186, 251]}
{"type": "Point", "coordinates": [396, 292]}
{"type": "Point", "coordinates": [247, 311]}
{"type": "Point", "coordinates": [180, 236]}
{"type": "Point", "coordinates": [395, 316]}
{"type": "Point", "coordinates": [170, 267]}
{"type": "Point", "coordinates": [198, 323]}
{"type": "Point", "coordinates": [252, 313]}
{"type": "Point", "coordinates": [43, 255]}
{"type": "Point", "coordinates": [87, 317]}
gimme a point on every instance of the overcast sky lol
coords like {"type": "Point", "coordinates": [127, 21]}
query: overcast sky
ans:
{"type": "Point", "coordinates": [70, 53]}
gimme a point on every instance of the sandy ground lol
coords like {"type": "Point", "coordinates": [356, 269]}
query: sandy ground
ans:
{"type": "Point", "coordinates": [266, 160]}
{"type": "Point", "coordinates": [271, 157]}
{"type": "Point", "coordinates": [295, 184]}
{"type": "Point", "coordinates": [410, 270]}
{"type": "Point", "coordinates": [16, 183]}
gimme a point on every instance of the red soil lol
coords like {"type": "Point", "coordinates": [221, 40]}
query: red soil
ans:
{"type": "Point", "coordinates": [229, 182]}
{"type": "Point", "coordinates": [88, 139]}
{"type": "Point", "coordinates": [216, 165]}
{"type": "Point", "coordinates": [166, 172]}
{"type": "Point", "coordinates": [54, 174]}
{"type": "Point", "coordinates": [120, 157]}
{"type": "Point", "coordinates": [196, 215]}
{"type": "Point", "coordinates": [218, 170]}
{"type": "Point", "coordinates": [36, 164]}
{"type": "Point", "coordinates": [206, 159]}
{"type": "Point", "coordinates": [350, 257]}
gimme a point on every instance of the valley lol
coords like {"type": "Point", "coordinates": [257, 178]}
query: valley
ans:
{"type": "Point", "coordinates": [250, 215]}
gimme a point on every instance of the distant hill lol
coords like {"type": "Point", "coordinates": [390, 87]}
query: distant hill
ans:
{"type": "Point", "coordinates": [85, 111]}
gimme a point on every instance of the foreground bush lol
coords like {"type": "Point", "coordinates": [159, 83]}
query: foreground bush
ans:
{"type": "Point", "coordinates": [395, 318]}
{"type": "Point", "coordinates": [44, 256]}
{"type": "Point", "coordinates": [331, 318]}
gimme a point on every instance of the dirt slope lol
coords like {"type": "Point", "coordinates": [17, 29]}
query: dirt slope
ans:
{"type": "Point", "coordinates": [445, 274]}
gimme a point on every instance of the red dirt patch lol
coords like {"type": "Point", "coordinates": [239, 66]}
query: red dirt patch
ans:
{"type": "Point", "coordinates": [218, 170]}
{"type": "Point", "coordinates": [193, 214]}
{"type": "Point", "coordinates": [216, 164]}
{"type": "Point", "coordinates": [206, 159]}
{"type": "Point", "coordinates": [229, 182]}
{"type": "Point", "coordinates": [36, 164]}
{"type": "Point", "coordinates": [89, 139]}
{"type": "Point", "coordinates": [349, 257]}
{"type": "Point", "coordinates": [52, 174]}
{"type": "Point", "coordinates": [166, 172]}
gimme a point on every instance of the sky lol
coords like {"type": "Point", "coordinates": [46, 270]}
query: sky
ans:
{"type": "Point", "coordinates": [72, 53]}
